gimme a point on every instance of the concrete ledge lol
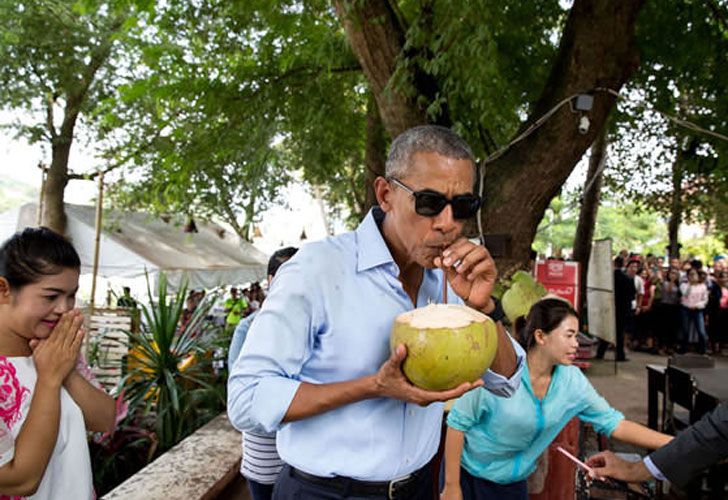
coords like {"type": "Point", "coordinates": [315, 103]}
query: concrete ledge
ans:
{"type": "Point", "coordinates": [199, 467]}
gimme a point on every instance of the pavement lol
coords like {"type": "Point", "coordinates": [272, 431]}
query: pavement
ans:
{"type": "Point", "coordinates": [626, 390]}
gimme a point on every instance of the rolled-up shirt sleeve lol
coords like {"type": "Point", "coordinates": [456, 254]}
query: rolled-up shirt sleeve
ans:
{"type": "Point", "coordinates": [597, 410]}
{"type": "Point", "coordinates": [505, 386]}
{"type": "Point", "coordinates": [265, 377]}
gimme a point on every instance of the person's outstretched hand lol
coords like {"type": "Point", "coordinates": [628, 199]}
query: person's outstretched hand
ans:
{"type": "Point", "coordinates": [607, 464]}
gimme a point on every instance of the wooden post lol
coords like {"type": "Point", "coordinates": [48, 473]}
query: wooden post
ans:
{"type": "Point", "coordinates": [97, 240]}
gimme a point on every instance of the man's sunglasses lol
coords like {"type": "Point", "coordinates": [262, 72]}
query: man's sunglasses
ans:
{"type": "Point", "coordinates": [430, 203]}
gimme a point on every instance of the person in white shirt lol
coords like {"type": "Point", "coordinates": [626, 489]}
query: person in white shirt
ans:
{"type": "Point", "coordinates": [46, 405]}
{"type": "Point", "coordinates": [694, 298]}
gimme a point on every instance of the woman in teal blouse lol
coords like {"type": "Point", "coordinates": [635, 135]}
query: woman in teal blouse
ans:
{"type": "Point", "coordinates": [493, 443]}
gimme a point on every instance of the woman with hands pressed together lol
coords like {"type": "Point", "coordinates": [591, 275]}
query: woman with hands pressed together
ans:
{"type": "Point", "coordinates": [45, 404]}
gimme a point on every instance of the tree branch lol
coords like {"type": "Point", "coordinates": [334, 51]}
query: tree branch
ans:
{"type": "Point", "coordinates": [377, 39]}
{"type": "Point", "coordinates": [50, 102]}
{"type": "Point", "coordinates": [75, 98]}
{"type": "Point", "coordinates": [303, 71]}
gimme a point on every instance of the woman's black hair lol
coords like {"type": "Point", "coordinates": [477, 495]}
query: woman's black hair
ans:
{"type": "Point", "coordinates": [33, 253]}
{"type": "Point", "coordinates": [545, 315]}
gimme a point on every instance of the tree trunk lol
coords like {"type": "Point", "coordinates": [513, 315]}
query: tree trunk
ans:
{"type": "Point", "coordinates": [589, 208]}
{"type": "Point", "coordinates": [676, 208]}
{"type": "Point", "coordinates": [596, 50]}
{"type": "Point", "coordinates": [377, 39]}
{"type": "Point", "coordinates": [247, 229]}
{"type": "Point", "coordinates": [375, 153]}
{"type": "Point", "coordinates": [53, 215]}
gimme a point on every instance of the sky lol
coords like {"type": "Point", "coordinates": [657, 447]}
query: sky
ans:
{"type": "Point", "coordinates": [19, 162]}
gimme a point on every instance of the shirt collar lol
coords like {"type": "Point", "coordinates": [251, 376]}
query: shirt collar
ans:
{"type": "Point", "coordinates": [371, 249]}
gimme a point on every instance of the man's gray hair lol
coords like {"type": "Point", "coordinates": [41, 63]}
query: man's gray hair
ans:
{"type": "Point", "coordinates": [425, 139]}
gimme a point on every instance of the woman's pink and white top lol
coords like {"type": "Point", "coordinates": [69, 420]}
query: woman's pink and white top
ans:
{"type": "Point", "coordinates": [68, 474]}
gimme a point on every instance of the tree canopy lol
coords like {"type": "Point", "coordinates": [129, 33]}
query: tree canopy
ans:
{"type": "Point", "coordinates": [61, 58]}
{"type": "Point", "coordinates": [208, 107]}
{"type": "Point", "coordinates": [677, 170]}
{"type": "Point", "coordinates": [213, 72]}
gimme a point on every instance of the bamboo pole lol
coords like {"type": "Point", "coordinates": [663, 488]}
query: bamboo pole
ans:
{"type": "Point", "coordinates": [97, 239]}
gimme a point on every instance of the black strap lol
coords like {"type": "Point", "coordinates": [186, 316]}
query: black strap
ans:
{"type": "Point", "coordinates": [395, 489]}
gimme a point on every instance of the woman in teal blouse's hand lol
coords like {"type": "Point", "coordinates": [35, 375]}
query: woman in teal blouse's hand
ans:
{"type": "Point", "coordinates": [492, 443]}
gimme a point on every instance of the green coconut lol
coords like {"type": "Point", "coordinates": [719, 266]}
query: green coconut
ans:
{"type": "Point", "coordinates": [447, 344]}
{"type": "Point", "coordinates": [523, 293]}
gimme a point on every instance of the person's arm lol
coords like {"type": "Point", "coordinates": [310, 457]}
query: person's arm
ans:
{"type": "Point", "coordinates": [236, 343]}
{"type": "Point", "coordinates": [639, 435]}
{"type": "Point", "coordinates": [639, 293]}
{"type": "Point", "coordinates": [506, 361]}
{"type": "Point", "coordinates": [388, 382]}
{"type": "Point", "coordinates": [53, 357]}
{"type": "Point", "coordinates": [454, 442]}
{"type": "Point", "coordinates": [509, 350]}
{"type": "Point", "coordinates": [703, 299]}
{"type": "Point", "coordinates": [684, 292]}
{"type": "Point", "coordinates": [594, 408]}
{"type": "Point", "coordinates": [699, 446]}
{"type": "Point", "coordinates": [99, 409]}
{"type": "Point", "coordinates": [264, 387]}
{"type": "Point", "coordinates": [651, 299]}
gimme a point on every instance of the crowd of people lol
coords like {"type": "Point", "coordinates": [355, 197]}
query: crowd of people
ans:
{"type": "Point", "coordinates": [236, 306]}
{"type": "Point", "coordinates": [671, 306]}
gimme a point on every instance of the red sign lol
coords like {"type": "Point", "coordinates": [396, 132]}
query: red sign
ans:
{"type": "Point", "coordinates": [560, 278]}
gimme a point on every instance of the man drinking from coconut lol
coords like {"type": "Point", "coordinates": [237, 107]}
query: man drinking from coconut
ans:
{"type": "Point", "coordinates": [316, 366]}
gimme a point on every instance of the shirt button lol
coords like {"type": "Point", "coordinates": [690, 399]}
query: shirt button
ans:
{"type": "Point", "coordinates": [411, 413]}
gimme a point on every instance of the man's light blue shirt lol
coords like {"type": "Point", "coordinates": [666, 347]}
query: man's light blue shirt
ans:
{"type": "Point", "coordinates": [505, 437]}
{"type": "Point", "coordinates": [654, 470]}
{"type": "Point", "coordinates": [328, 319]}
{"type": "Point", "coordinates": [239, 336]}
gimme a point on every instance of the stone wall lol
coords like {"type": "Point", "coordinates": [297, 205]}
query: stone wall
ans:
{"type": "Point", "coordinates": [199, 467]}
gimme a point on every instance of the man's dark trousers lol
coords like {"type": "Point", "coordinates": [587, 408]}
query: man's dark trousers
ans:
{"type": "Point", "coordinates": [289, 487]}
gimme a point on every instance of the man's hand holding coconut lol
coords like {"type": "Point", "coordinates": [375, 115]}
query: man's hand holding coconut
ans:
{"type": "Point", "coordinates": [350, 408]}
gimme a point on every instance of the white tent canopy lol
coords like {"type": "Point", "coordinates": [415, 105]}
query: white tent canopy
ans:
{"type": "Point", "coordinates": [135, 242]}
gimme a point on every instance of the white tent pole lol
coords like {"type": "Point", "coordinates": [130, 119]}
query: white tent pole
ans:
{"type": "Point", "coordinates": [97, 239]}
